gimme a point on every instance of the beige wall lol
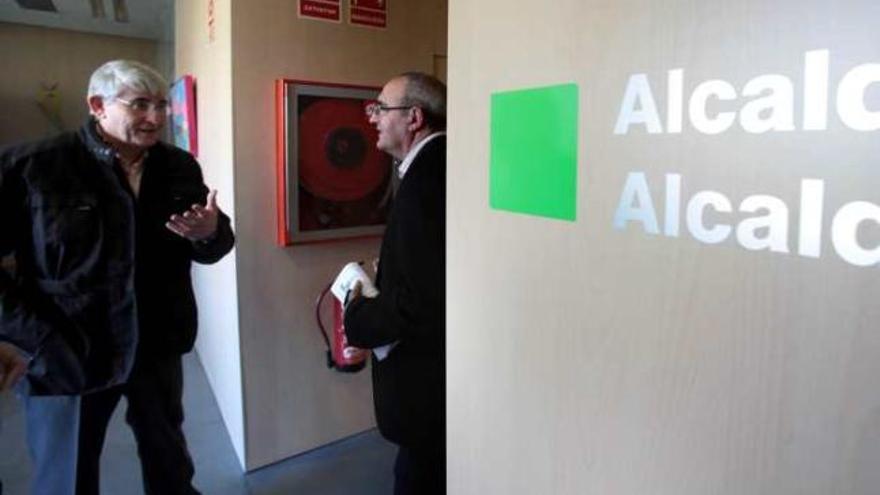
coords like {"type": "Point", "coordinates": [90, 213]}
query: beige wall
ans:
{"type": "Point", "coordinates": [586, 359]}
{"type": "Point", "coordinates": [36, 56]}
{"type": "Point", "coordinates": [292, 401]}
{"type": "Point", "coordinates": [210, 62]}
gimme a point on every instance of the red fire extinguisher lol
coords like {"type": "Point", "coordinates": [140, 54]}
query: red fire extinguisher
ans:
{"type": "Point", "coordinates": [340, 355]}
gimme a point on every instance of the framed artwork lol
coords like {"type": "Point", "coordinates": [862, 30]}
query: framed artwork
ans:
{"type": "Point", "coordinates": [183, 114]}
{"type": "Point", "coordinates": [332, 182]}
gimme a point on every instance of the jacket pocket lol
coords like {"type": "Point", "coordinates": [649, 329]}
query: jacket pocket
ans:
{"type": "Point", "coordinates": [80, 353]}
{"type": "Point", "coordinates": [58, 366]}
{"type": "Point", "coordinates": [66, 231]}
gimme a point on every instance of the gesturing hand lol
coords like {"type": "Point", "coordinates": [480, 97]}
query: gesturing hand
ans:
{"type": "Point", "coordinates": [12, 366]}
{"type": "Point", "coordinates": [197, 223]}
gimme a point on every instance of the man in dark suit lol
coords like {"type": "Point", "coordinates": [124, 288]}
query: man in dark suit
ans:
{"type": "Point", "coordinates": [405, 323]}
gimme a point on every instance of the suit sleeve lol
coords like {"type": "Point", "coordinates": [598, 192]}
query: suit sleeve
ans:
{"type": "Point", "coordinates": [213, 249]}
{"type": "Point", "coordinates": [374, 322]}
{"type": "Point", "coordinates": [410, 307]}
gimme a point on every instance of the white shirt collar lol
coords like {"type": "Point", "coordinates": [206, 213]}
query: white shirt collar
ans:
{"type": "Point", "coordinates": [408, 159]}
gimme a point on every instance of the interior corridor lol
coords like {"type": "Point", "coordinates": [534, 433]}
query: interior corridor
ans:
{"type": "Point", "coordinates": [361, 464]}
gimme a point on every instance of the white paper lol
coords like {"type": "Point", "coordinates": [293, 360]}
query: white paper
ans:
{"type": "Point", "coordinates": [351, 273]}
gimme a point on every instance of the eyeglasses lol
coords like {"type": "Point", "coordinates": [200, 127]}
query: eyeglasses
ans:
{"type": "Point", "coordinates": [144, 105]}
{"type": "Point", "coordinates": [374, 109]}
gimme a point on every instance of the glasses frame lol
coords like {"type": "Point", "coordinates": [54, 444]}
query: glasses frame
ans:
{"type": "Point", "coordinates": [376, 108]}
{"type": "Point", "coordinates": [163, 106]}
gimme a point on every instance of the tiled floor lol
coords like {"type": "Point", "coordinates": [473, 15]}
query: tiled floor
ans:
{"type": "Point", "coordinates": [360, 465]}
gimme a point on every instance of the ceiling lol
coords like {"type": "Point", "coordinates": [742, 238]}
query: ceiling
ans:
{"type": "Point", "coordinates": [150, 19]}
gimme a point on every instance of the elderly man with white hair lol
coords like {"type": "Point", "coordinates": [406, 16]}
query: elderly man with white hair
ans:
{"type": "Point", "coordinates": [104, 224]}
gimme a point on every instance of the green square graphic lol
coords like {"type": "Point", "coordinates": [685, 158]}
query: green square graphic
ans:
{"type": "Point", "coordinates": [533, 151]}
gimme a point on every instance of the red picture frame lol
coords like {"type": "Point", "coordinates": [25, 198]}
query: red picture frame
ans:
{"type": "Point", "coordinates": [332, 182]}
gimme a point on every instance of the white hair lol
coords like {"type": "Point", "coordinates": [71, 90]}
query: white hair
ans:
{"type": "Point", "coordinates": [111, 78]}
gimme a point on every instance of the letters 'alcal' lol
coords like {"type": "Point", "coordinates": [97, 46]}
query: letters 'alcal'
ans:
{"type": "Point", "coordinates": [765, 103]}
{"type": "Point", "coordinates": [767, 228]}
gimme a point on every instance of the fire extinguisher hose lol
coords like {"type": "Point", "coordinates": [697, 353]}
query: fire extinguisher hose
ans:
{"type": "Point", "coordinates": [321, 327]}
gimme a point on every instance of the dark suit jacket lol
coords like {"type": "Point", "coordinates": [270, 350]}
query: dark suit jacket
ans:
{"type": "Point", "coordinates": [409, 389]}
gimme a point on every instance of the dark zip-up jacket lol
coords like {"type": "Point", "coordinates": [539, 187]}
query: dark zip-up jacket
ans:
{"type": "Point", "coordinates": [95, 266]}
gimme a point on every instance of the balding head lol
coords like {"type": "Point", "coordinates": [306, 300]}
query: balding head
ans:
{"type": "Point", "coordinates": [428, 93]}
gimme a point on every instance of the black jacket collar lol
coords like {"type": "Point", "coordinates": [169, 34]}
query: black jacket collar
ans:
{"type": "Point", "coordinates": [96, 146]}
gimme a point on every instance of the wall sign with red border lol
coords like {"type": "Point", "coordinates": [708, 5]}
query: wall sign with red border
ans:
{"type": "Point", "coordinates": [373, 13]}
{"type": "Point", "coordinates": [325, 10]}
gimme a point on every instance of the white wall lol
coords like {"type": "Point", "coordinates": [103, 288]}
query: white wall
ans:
{"type": "Point", "coordinates": [586, 359]}
{"type": "Point", "coordinates": [218, 344]}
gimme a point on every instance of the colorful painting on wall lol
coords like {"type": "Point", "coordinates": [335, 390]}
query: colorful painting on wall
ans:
{"type": "Point", "coordinates": [183, 114]}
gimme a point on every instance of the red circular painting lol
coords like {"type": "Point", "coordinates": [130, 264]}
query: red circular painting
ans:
{"type": "Point", "coordinates": [338, 158]}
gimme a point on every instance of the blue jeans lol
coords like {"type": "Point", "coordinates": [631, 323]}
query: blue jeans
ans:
{"type": "Point", "coordinates": [52, 424]}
